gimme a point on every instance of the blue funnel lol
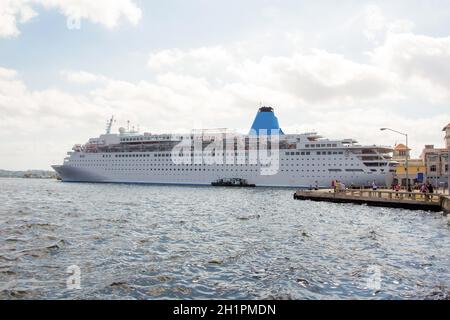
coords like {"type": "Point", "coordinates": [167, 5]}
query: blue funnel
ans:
{"type": "Point", "coordinates": [266, 120]}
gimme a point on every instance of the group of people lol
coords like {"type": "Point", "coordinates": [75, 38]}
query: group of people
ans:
{"type": "Point", "coordinates": [425, 187]}
{"type": "Point", "coordinates": [338, 186]}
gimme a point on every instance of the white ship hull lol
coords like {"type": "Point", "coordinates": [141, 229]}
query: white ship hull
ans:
{"type": "Point", "coordinates": [292, 173]}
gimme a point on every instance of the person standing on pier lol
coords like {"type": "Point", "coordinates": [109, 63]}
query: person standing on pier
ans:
{"type": "Point", "coordinates": [424, 189]}
{"type": "Point", "coordinates": [337, 186]}
{"type": "Point", "coordinates": [374, 186]}
{"type": "Point", "coordinates": [430, 188]}
{"type": "Point", "coordinates": [397, 189]}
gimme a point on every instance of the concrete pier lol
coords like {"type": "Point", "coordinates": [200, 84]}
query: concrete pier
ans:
{"type": "Point", "coordinates": [388, 199]}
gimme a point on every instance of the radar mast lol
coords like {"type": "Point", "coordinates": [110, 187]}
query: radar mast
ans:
{"type": "Point", "coordinates": [109, 125]}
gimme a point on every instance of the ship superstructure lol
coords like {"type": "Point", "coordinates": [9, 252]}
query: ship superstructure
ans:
{"type": "Point", "coordinates": [264, 157]}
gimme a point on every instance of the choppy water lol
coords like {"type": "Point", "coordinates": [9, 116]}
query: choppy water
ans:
{"type": "Point", "coordinates": [153, 242]}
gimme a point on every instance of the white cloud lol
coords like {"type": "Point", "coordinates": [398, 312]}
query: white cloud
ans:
{"type": "Point", "coordinates": [375, 21]}
{"type": "Point", "coordinates": [7, 73]}
{"type": "Point", "coordinates": [42, 123]}
{"type": "Point", "coordinates": [313, 90]}
{"type": "Point", "coordinates": [13, 12]}
{"type": "Point", "coordinates": [401, 83]}
{"type": "Point", "coordinates": [82, 77]}
{"type": "Point", "coordinates": [315, 76]}
{"type": "Point", "coordinates": [375, 25]}
{"type": "Point", "coordinates": [318, 77]}
{"type": "Point", "coordinates": [205, 61]}
{"type": "Point", "coordinates": [400, 26]}
{"type": "Point", "coordinates": [423, 61]}
{"type": "Point", "coordinates": [105, 12]}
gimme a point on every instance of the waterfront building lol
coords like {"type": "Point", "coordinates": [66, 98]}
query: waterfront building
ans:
{"type": "Point", "coordinates": [416, 168]}
{"type": "Point", "coordinates": [436, 161]}
{"type": "Point", "coordinates": [447, 144]}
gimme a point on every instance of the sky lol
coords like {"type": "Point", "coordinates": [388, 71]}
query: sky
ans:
{"type": "Point", "coordinates": [341, 68]}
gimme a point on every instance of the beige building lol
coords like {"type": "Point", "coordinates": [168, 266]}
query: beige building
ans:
{"type": "Point", "coordinates": [447, 143]}
{"type": "Point", "coordinates": [436, 161]}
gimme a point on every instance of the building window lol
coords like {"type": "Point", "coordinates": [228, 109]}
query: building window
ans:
{"type": "Point", "coordinates": [433, 168]}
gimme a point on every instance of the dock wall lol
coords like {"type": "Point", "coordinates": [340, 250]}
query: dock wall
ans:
{"type": "Point", "coordinates": [386, 199]}
{"type": "Point", "coordinates": [445, 204]}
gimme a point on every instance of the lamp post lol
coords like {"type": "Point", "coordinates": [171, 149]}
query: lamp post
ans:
{"type": "Point", "coordinates": [406, 153]}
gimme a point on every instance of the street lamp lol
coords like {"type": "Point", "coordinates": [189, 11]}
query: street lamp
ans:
{"type": "Point", "coordinates": [406, 154]}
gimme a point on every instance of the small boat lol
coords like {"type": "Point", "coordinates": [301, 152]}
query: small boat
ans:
{"type": "Point", "coordinates": [235, 182]}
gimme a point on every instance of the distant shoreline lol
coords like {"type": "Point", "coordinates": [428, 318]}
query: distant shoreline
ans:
{"type": "Point", "coordinates": [35, 178]}
{"type": "Point", "coordinates": [29, 174]}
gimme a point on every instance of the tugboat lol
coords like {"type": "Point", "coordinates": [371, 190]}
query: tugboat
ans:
{"type": "Point", "coordinates": [235, 182]}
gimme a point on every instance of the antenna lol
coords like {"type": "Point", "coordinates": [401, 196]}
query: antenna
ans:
{"type": "Point", "coordinates": [109, 125]}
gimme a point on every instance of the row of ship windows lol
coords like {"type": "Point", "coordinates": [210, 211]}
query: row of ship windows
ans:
{"type": "Point", "coordinates": [169, 160]}
{"type": "Point", "coordinates": [232, 170]}
{"type": "Point", "coordinates": [144, 139]}
{"type": "Point", "coordinates": [228, 170]}
{"type": "Point", "coordinates": [157, 155]}
{"type": "Point", "coordinates": [151, 164]}
{"type": "Point", "coordinates": [166, 155]}
{"type": "Point", "coordinates": [102, 164]}
{"type": "Point", "coordinates": [240, 157]}
{"type": "Point", "coordinates": [328, 145]}
{"type": "Point", "coordinates": [318, 153]}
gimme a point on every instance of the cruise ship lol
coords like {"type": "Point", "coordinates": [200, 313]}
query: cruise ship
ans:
{"type": "Point", "coordinates": [266, 156]}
